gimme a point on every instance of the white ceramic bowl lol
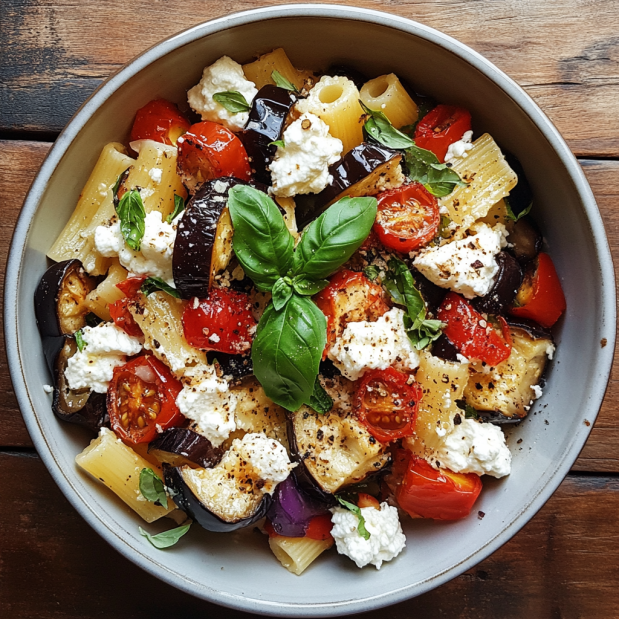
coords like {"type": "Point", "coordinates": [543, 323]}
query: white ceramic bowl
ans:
{"type": "Point", "coordinates": [238, 570]}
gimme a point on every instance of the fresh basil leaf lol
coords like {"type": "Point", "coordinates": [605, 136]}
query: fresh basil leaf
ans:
{"type": "Point", "coordinates": [167, 538]}
{"type": "Point", "coordinates": [152, 284]}
{"type": "Point", "coordinates": [320, 400]}
{"type": "Point", "coordinates": [152, 488]}
{"type": "Point", "coordinates": [510, 213]}
{"type": "Point", "coordinates": [470, 412]}
{"type": "Point", "coordinates": [281, 293]}
{"type": "Point", "coordinates": [365, 534]}
{"type": "Point", "coordinates": [287, 351]}
{"type": "Point", "coordinates": [329, 241]}
{"type": "Point", "coordinates": [279, 143]}
{"type": "Point", "coordinates": [232, 100]}
{"type": "Point", "coordinates": [307, 287]}
{"type": "Point", "coordinates": [371, 272]}
{"type": "Point", "coordinates": [424, 167]}
{"type": "Point", "coordinates": [282, 82]}
{"type": "Point", "coordinates": [92, 320]}
{"type": "Point", "coordinates": [179, 207]}
{"type": "Point", "coordinates": [380, 128]}
{"type": "Point", "coordinates": [262, 242]}
{"type": "Point", "coordinates": [130, 211]}
{"type": "Point", "coordinates": [79, 340]}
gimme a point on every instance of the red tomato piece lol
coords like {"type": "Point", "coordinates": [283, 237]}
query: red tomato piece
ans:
{"type": "Point", "coordinates": [440, 127]}
{"type": "Point", "coordinates": [349, 297]}
{"type": "Point", "coordinates": [123, 319]}
{"type": "Point", "coordinates": [367, 500]}
{"type": "Point", "coordinates": [473, 335]}
{"type": "Point", "coordinates": [141, 396]}
{"type": "Point", "coordinates": [131, 286]}
{"type": "Point", "coordinates": [540, 297]}
{"type": "Point", "coordinates": [386, 404]}
{"type": "Point", "coordinates": [160, 121]}
{"type": "Point", "coordinates": [209, 151]}
{"type": "Point", "coordinates": [407, 218]}
{"type": "Point", "coordinates": [319, 527]}
{"type": "Point", "coordinates": [422, 491]}
{"type": "Point", "coordinates": [223, 322]}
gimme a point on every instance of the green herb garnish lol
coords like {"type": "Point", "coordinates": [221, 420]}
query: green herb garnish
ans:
{"type": "Point", "coordinates": [510, 213]}
{"type": "Point", "coordinates": [279, 143]}
{"type": "Point", "coordinates": [232, 100]}
{"type": "Point", "coordinates": [320, 400]}
{"type": "Point", "coordinates": [167, 538]}
{"type": "Point", "coordinates": [79, 340]}
{"type": "Point", "coordinates": [371, 272]}
{"type": "Point", "coordinates": [424, 167]}
{"type": "Point", "coordinates": [152, 488]}
{"type": "Point", "coordinates": [282, 82]}
{"type": "Point", "coordinates": [152, 284]}
{"type": "Point", "coordinates": [92, 320]}
{"type": "Point", "coordinates": [130, 211]}
{"type": "Point", "coordinates": [365, 534]}
{"type": "Point", "coordinates": [179, 207]}
{"type": "Point", "coordinates": [380, 128]}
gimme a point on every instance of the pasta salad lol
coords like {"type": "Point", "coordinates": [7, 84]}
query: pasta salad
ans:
{"type": "Point", "coordinates": [308, 303]}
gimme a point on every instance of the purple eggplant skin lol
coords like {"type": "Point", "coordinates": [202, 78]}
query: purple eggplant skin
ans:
{"type": "Point", "coordinates": [525, 239]}
{"type": "Point", "coordinates": [265, 124]}
{"type": "Point", "coordinates": [195, 237]}
{"type": "Point", "coordinates": [432, 294]}
{"type": "Point", "coordinates": [505, 287]}
{"type": "Point", "coordinates": [84, 408]}
{"type": "Point", "coordinates": [356, 165]}
{"type": "Point", "coordinates": [189, 445]}
{"type": "Point", "coordinates": [445, 349]}
{"type": "Point", "coordinates": [190, 503]}
{"type": "Point", "coordinates": [237, 366]}
{"type": "Point", "coordinates": [533, 330]}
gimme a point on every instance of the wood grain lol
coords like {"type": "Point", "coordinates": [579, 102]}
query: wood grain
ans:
{"type": "Point", "coordinates": [567, 556]}
{"type": "Point", "coordinates": [565, 53]}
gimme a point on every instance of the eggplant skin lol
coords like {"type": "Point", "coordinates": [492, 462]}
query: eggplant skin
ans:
{"type": "Point", "coordinates": [505, 287]}
{"type": "Point", "coordinates": [525, 239]}
{"type": "Point", "coordinates": [190, 503]}
{"type": "Point", "coordinates": [445, 349]}
{"type": "Point", "coordinates": [265, 124]}
{"type": "Point", "coordinates": [187, 445]}
{"type": "Point", "coordinates": [237, 366]}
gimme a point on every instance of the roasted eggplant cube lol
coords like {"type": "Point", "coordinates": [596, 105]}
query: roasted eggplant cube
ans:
{"type": "Point", "coordinates": [507, 389]}
{"type": "Point", "coordinates": [333, 450]}
{"type": "Point", "coordinates": [366, 170]}
{"type": "Point", "coordinates": [265, 125]}
{"type": "Point", "coordinates": [203, 245]}
{"type": "Point", "coordinates": [183, 446]}
{"type": "Point", "coordinates": [504, 289]}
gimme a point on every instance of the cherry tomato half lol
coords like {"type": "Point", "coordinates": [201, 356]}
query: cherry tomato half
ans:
{"type": "Point", "coordinates": [440, 127]}
{"type": "Point", "coordinates": [540, 296]}
{"type": "Point", "coordinates": [131, 286]}
{"type": "Point", "coordinates": [407, 218]}
{"type": "Point", "coordinates": [474, 336]}
{"type": "Point", "coordinates": [319, 527]}
{"type": "Point", "coordinates": [123, 319]}
{"type": "Point", "coordinates": [422, 491]}
{"type": "Point", "coordinates": [160, 121]}
{"type": "Point", "coordinates": [141, 396]}
{"type": "Point", "coordinates": [386, 404]}
{"type": "Point", "coordinates": [349, 297]}
{"type": "Point", "coordinates": [209, 150]}
{"type": "Point", "coordinates": [223, 322]}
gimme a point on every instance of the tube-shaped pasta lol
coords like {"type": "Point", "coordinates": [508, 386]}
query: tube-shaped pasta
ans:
{"type": "Point", "coordinates": [296, 554]}
{"type": "Point", "coordinates": [160, 317]}
{"type": "Point", "coordinates": [335, 100]}
{"type": "Point", "coordinates": [489, 179]}
{"type": "Point", "coordinates": [106, 292]}
{"type": "Point", "coordinates": [155, 173]}
{"type": "Point", "coordinates": [386, 94]}
{"type": "Point", "coordinates": [259, 72]}
{"type": "Point", "coordinates": [94, 208]}
{"type": "Point", "coordinates": [118, 467]}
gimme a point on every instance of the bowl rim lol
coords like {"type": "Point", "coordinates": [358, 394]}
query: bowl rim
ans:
{"type": "Point", "coordinates": [57, 152]}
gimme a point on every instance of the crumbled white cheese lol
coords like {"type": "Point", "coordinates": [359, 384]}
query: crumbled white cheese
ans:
{"type": "Point", "coordinates": [267, 457]}
{"type": "Point", "coordinates": [206, 399]}
{"type": "Point", "coordinates": [550, 351]}
{"type": "Point", "coordinates": [155, 174]}
{"type": "Point", "coordinates": [537, 392]}
{"type": "Point", "coordinates": [473, 447]}
{"type": "Point", "coordinates": [466, 266]}
{"type": "Point", "coordinates": [302, 166]}
{"type": "Point", "coordinates": [374, 345]}
{"type": "Point", "coordinates": [460, 148]}
{"type": "Point", "coordinates": [386, 539]}
{"type": "Point", "coordinates": [106, 347]}
{"type": "Point", "coordinates": [156, 249]}
{"type": "Point", "coordinates": [462, 358]}
{"type": "Point", "coordinates": [48, 389]}
{"type": "Point", "coordinates": [223, 75]}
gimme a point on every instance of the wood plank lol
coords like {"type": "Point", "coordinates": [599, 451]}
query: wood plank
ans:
{"type": "Point", "coordinates": [564, 563]}
{"type": "Point", "coordinates": [563, 52]}
{"type": "Point", "coordinates": [19, 162]}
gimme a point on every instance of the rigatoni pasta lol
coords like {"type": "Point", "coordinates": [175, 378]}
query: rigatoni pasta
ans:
{"type": "Point", "coordinates": [107, 292]}
{"type": "Point", "coordinates": [386, 94]}
{"type": "Point", "coordinates": [296, 554]}
{"type": "Point", "coordinates": [260, 71]}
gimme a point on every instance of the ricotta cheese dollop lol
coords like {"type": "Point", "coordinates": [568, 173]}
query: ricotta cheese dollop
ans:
{"type": "Point", "coordinates": [302, 166]}
{"type": "Point", "coordinates": [156, 249]}
{"type": "Point", "coordinates": [460, 148]}
{"type": "Point", "coordinates": [206, 399]}
{"type": "Point", "coordinates": [374, 345]}
{"type": "Point", "coordinates": [386, 539]}
{"type": "Point", "coordinates": [106, 347]}
{"type": "Point", "coordinates": [466, 266]}
{"type": "Point", "coordinates": [223, 75]}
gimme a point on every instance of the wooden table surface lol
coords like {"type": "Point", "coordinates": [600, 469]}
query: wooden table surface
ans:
{"type": "Point", "coordinates": [53, 54]}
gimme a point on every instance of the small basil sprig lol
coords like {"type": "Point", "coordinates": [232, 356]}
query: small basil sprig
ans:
{"type": "Point", "coordinates": [510, 213]}
{"type": "Point", "coordinates": [279, 143]}
{"type": "Point", "coordinates": [365, 534]}
{"type": "Point", "coordinates": [400, 285]}
{"type": "Point", "coordinates": [232, 100]}
{"type": "Point", "coordinates": [152, 284]}
{"type": "Point", "coordinates": [371, 272]}
{"type": "Point", "coordinates": [282, 82]}
{"type": "Point", "coordinates": [79, 340]}
{"type": "Point", "coordinates": [130, 211]}
{"type": "Point", "coordinates": [320, 400]}
{"type": "Point", "coordinates": [152, 488]}
{"type": "Point", "coordinates": [167, 538]}
{"type": "Point", "coordinates": [424, 167]}
{"type": "Point", "coordinates": [179, 207]}
{"type": "Point", "coordinates": [380, 128]}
